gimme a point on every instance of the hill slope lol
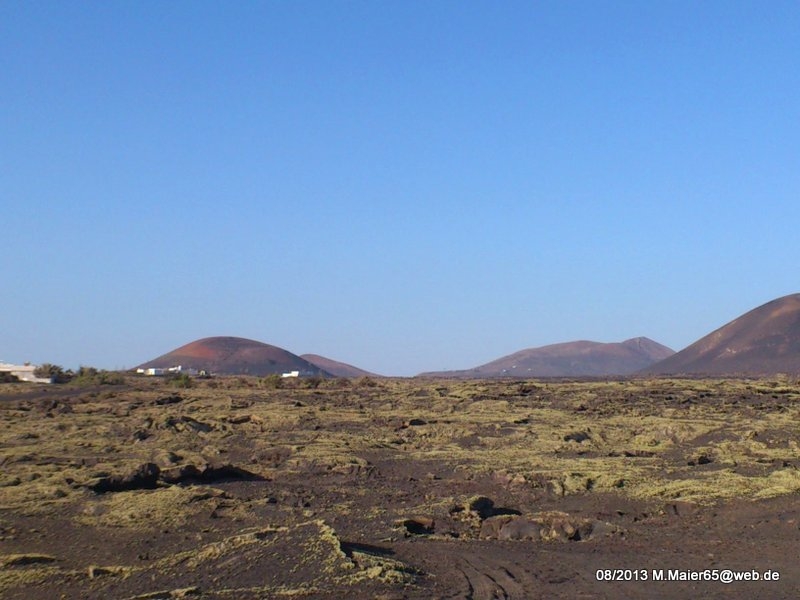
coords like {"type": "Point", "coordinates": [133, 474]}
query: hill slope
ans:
{"type": "Point", "coordinates": [336, 368]}
{"type": "Point", "coordinates": [235, 356]}
{"type": "Point", "coordinates": [571, 359]}
{"type": "Point", "coordinates": [763, 341]}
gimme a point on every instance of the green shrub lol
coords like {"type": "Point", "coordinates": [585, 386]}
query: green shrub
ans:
{"type": "Point", "coordinates": [272, 382]}
{"type": "Point", "coordinates": [181, 380]}
{"type": "Point", "coordinates": [92, 376]}
{"type": "Point", "coordinates": [110, 378]}
{"type": "Point", "coordinates": [312, 382]}
{"type": "Point", "coordinates": [55, 373]}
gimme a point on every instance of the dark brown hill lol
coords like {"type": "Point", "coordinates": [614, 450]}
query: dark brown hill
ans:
{"type": "Point", "coordinates": [571, 359]}
{"type": "Point", "coordinates": [336, 368]}
{"type": "Point", "coordinates": [234, 356]}
{"type": "Point", "coordinates": [764, 341]}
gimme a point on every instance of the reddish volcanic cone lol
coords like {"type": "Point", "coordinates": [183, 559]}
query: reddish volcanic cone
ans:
{"type": "Point", "coordinates": [764, 341]}
{"type": "Point", "coordinates": [234, 356]}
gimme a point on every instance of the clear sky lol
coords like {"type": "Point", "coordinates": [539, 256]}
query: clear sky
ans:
{"type": "Point", "coordinates": [403, 186]}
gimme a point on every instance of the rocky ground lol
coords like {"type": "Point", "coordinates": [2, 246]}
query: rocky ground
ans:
{"type": "Point", "coordinates": [373, 488]}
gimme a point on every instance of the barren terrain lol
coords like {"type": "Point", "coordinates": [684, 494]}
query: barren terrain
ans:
{"type": "Point", "coordinates": [390, 488]}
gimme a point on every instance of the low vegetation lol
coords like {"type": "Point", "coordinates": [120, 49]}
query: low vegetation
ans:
{"type": "Point", "coordinates": [92, 376]}
{"type": "Point", "coordinates": [181, 380]}
{"type": "Point", "coordinates": [83, 376]}
{"type": "Point", "coordinates": [379, 459]}
{"type": "Point", "coordinates": [54, 373]}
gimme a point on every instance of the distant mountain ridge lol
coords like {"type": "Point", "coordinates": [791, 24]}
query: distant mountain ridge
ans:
{"type": "Point", "coordinates": [763, 341]}
{"type": "Point", "coordinates": [235, 356]}
{"type": "Point", "coordinates": [570, 359]}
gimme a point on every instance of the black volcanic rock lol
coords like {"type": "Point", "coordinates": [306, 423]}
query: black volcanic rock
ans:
{"type": "Point", "coordinates": [763, 341]}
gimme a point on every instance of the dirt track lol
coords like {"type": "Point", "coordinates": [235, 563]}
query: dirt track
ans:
{"type": "Point", "coordinates": [398, 489]}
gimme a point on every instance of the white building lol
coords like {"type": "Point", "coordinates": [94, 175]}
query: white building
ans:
{"type": "Point", "coordinates": [158, 371]}
{"type": "Point", "coordinates": [182, 369]}
{"type": "Point", "coordinates": [151, 371]}
{"type": "Point", "coordinates": [23, 372]}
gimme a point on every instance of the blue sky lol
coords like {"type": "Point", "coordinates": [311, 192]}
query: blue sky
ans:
{"type": "Point", "coordinates": [404, 186]}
